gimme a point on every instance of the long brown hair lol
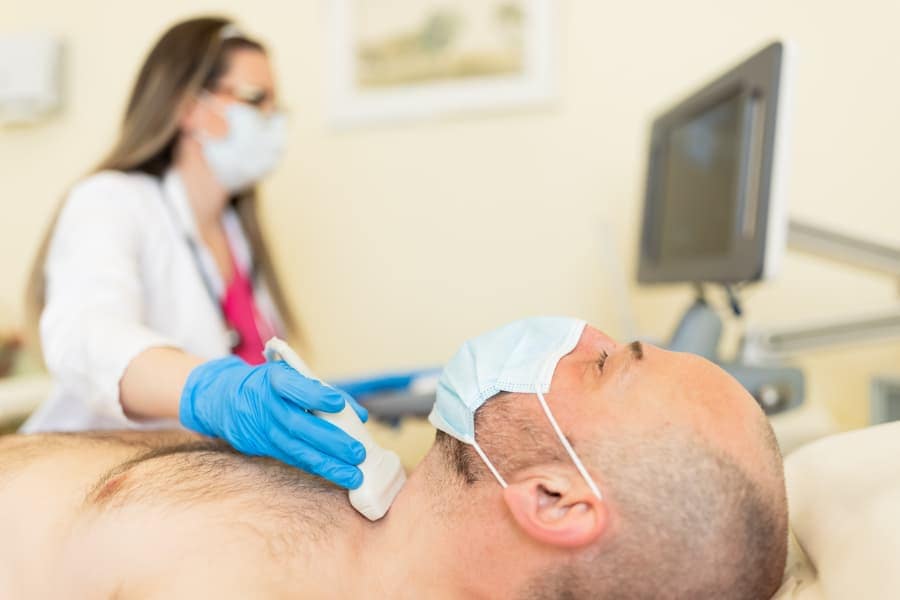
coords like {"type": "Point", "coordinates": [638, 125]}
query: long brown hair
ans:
{"type": "Point", "coordinates": [189, 57]}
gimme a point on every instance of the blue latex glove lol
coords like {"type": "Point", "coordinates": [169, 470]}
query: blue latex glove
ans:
{"type": "Point", "coordinates": [264, 411]}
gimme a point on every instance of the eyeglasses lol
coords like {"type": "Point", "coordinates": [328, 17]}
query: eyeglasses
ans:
{"type": "Point", "coordinates": [252, 95]}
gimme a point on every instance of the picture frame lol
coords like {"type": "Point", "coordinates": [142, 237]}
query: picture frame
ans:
{"type": "Point", "coordinates": [437, 59]}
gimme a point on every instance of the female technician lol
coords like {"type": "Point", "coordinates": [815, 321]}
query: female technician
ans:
{"type": "Point", "coordinates": [154, 287]}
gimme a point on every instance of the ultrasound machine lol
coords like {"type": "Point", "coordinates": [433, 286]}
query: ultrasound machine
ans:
{"type": "Point", "coordinates": [715, 211]}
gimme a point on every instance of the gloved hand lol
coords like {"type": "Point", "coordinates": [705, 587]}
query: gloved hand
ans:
{"type": "Point", "coordinates": [264, 411]}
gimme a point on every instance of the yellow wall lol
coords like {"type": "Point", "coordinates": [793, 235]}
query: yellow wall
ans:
{"type": "Point", "coordinates": [397, 242]}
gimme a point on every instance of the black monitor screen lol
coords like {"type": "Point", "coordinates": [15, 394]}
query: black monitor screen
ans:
{"type": "Point", "coordinates": [700, 172]}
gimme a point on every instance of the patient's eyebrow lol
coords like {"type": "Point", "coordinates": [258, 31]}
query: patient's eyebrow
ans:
{"type": "Point", "coordinates": [637, 350]}
{"type": "Point", "coordinates": [635, 353]}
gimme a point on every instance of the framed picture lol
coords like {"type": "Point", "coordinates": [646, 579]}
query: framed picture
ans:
{"type": "Point", "coordinates": [414, 59]}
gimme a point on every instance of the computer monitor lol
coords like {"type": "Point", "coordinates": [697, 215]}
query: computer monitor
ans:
{"type": "Point", "coordinates": [712, 210]}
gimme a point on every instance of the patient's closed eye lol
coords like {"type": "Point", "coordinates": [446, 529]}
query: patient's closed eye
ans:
{"type": "Point", "coordinates": [602, 360]}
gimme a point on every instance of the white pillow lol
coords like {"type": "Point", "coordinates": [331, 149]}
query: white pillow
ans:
{"type": "Point", "coordinates": [844, 499]}
{"type": "Point", "coordinates": [800, 578]}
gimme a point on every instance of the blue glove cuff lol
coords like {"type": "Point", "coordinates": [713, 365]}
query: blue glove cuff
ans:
{"type": "Point", "coordinates": [196, 393]}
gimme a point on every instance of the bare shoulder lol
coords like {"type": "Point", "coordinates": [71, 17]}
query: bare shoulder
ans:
{"type": "Point", "coordinates": [200, 472]}
{"type": "Point", "coordinates": [17, 452]}
{"type": "Point", "coordinates": [43, 480]}
{"type": "Point", "coordinates": [145, 503]}
{"type": "Point", "coordinates": [199, 512]}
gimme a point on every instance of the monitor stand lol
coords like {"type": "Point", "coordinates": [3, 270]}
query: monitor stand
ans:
{"type": "Point", "coordinates": [863, 254]}
{"type": "Point", "coordinates": [776, 388]}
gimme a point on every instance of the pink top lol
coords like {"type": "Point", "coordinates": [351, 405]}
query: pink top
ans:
{"type": "Point", "coordinates": [241, 314]}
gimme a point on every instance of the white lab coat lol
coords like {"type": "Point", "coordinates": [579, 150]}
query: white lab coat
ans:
{"type": "Point", "coordinates": [121, 279]}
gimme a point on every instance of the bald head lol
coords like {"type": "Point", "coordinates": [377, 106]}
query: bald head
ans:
{"type": "Point", "coordinates": [687, 463]}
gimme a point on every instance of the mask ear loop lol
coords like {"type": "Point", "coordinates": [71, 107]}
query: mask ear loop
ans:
{"type": "Point", "coordinates": [578, 464]}
{"type": "Point", "coordinates": [489, 464]}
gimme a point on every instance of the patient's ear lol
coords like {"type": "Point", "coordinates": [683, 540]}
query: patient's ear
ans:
{"type": "Point", "coordinates": [553, 505]}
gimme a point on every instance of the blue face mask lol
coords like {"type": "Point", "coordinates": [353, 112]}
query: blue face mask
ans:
{"type": "Point", "coordinates": [520, 357]}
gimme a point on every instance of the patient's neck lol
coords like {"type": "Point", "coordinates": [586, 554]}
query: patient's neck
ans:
{"type": "Point", "coordinates": [425, 547]}
{"type": "Point", "coordinates": [414, 558]}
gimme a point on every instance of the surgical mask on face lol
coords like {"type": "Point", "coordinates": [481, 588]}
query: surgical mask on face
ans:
{"type": "Point", "coordinates": [249, 151]}
{"type": "Point", "coordinates": [520, 357]}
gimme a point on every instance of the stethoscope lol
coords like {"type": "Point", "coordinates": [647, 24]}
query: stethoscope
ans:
{"type": "Point", "coordinates": [234, 336]}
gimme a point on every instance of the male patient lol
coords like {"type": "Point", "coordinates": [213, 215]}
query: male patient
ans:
{"type": "Point", "coordinates": [691, 504]}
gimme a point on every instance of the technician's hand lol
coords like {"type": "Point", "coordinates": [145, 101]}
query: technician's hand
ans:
{"type": "Point", "coordinates": [264, 411]}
